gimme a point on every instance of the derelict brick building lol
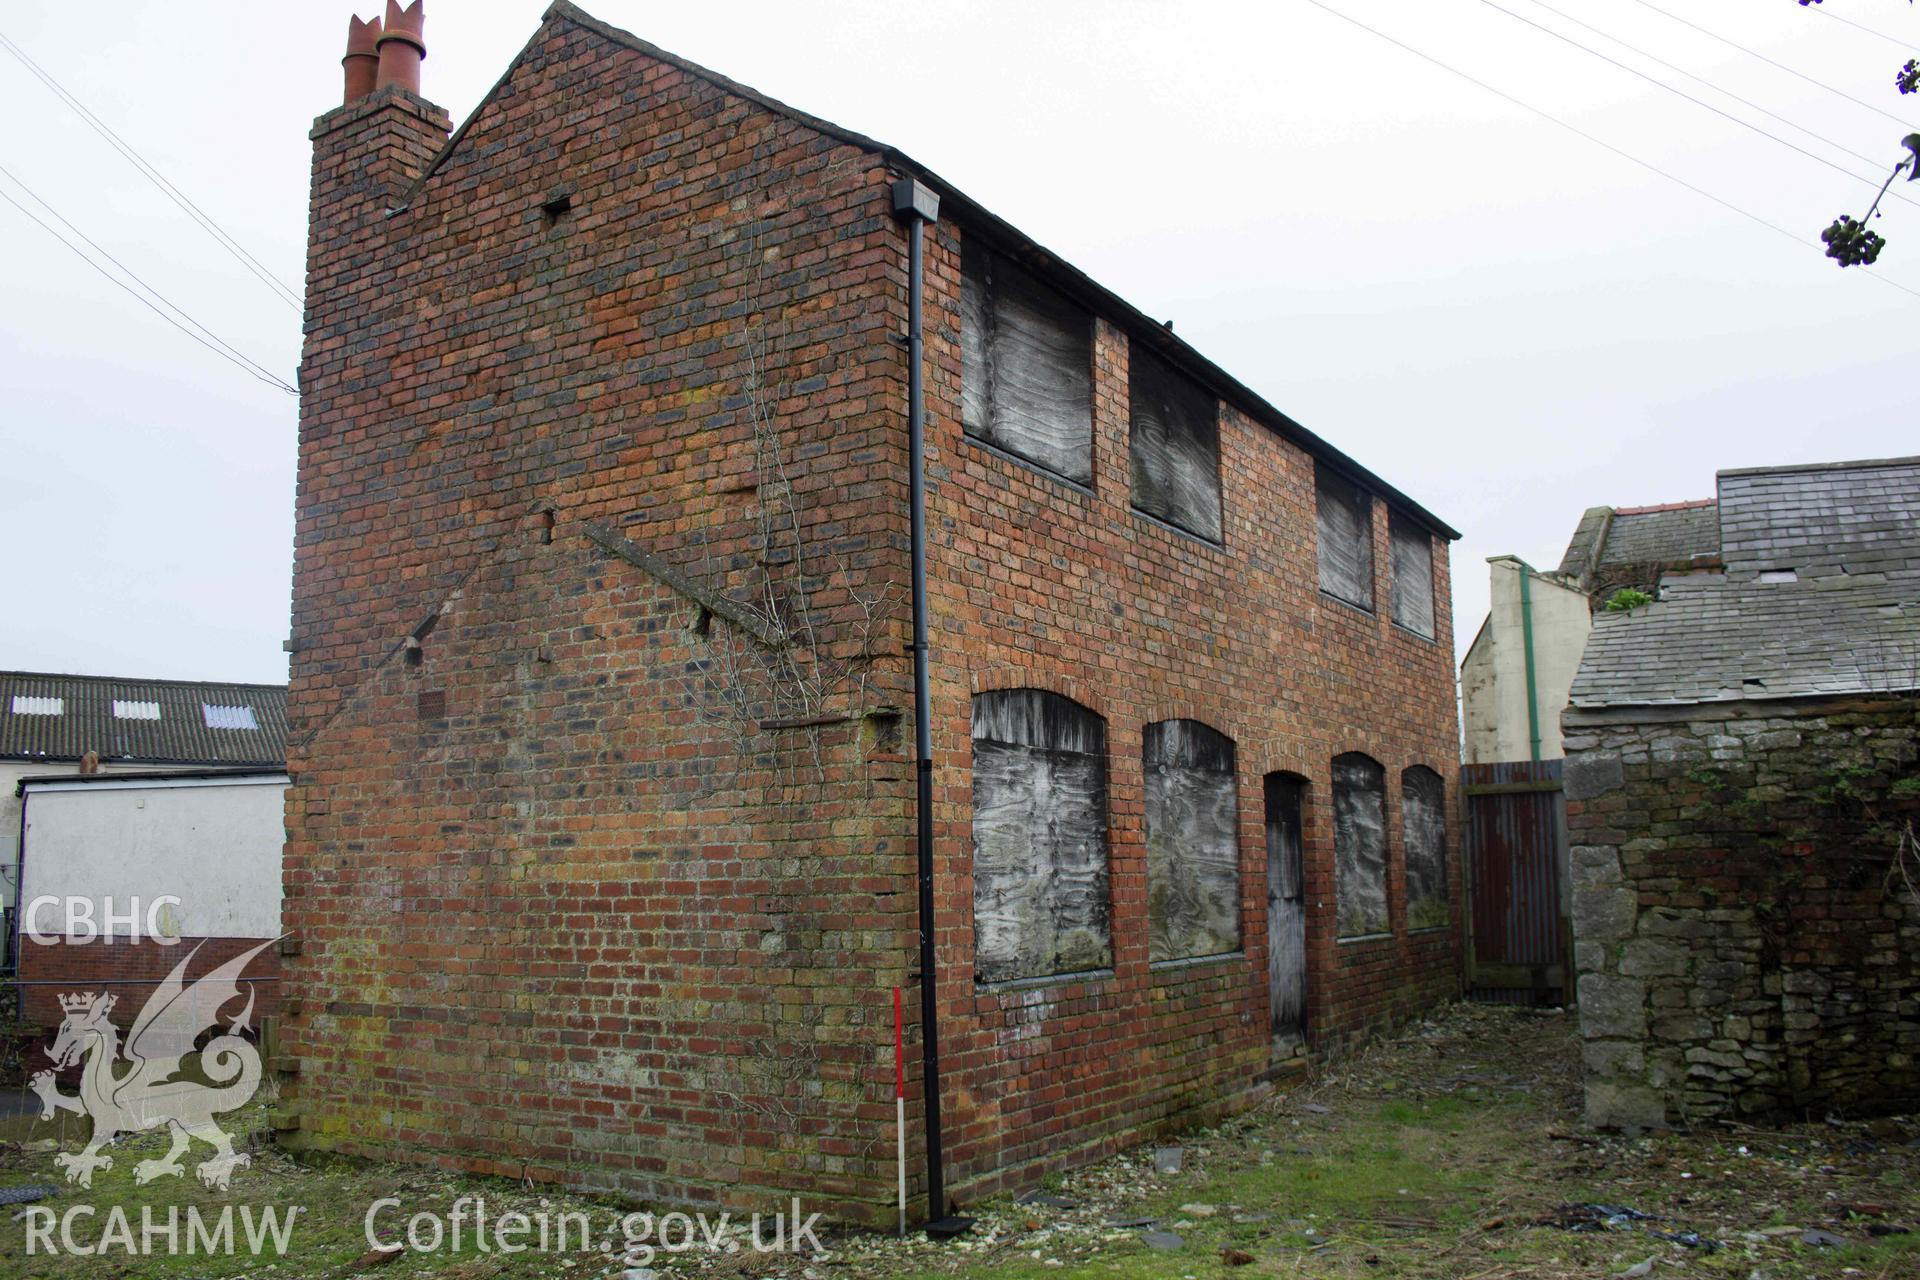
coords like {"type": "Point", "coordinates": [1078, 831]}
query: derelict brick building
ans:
{"type": "Point", "coordinates": [602, 840]}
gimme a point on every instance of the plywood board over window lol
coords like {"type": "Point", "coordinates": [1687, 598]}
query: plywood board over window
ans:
{"type": "Point", "coordinates": [1174, 446]}
{"type": "Point", "coordinates": [1424, 815]}
{"type": "Point", "coordinates": [1193, 863]}
{"type": "Point", "coordinates": [1345, 520]}
{"type": "Point", "coordinates": [1359, 845]}
{"type": "Point", "coordinates": [1040, 887]}
{"type": "Point", "coordinates": [1412, 575]}
{"type": "Point", "coordinates": [1026, 356]}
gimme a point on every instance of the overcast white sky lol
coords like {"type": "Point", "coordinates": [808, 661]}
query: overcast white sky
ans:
{"type": "Point", "coordinates": [1508, 322]}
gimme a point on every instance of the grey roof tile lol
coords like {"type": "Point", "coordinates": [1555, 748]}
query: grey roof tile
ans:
{"type": "Point", "coordinates": [1851, 518]}
{"type": "Point", "coordinates": [1714, 639]}
{"type": "Point", "coordinates": [1662, 535]}
{"type": "Point", "coordinates": [162, 721]}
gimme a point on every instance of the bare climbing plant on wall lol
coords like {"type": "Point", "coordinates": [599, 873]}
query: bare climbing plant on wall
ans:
{"type": "Point", "coordinates": [819, 625]}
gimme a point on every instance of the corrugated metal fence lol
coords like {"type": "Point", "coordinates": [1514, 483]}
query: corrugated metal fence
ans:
{"type": "Point", "coordinates": [1520, 942]}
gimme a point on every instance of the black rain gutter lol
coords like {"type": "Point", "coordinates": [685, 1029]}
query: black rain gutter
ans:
{"type": "Point", "coordinates": [915, 204]}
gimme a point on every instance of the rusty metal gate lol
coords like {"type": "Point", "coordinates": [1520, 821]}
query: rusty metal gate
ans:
{"type": "Point", "coordinates": [1519, 940]}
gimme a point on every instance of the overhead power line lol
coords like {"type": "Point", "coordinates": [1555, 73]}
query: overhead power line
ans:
{"type": "Point", "coordinates": [220, 236]}
{"type": "Point", "coordinates": [1814, 156]}
{"type": "Point", "coordinates": [91, 243]}
{"type": "Point", "coordinates": [157, 303]}
{"type": "Point", "coordinates": [1702, 80]}
{"type": "Point", "coordinates": [1596, 140]}
{"type": "Point", "coordinates": [1753, 53]}
{"type": "Point", "coordinates": [1908, 45]}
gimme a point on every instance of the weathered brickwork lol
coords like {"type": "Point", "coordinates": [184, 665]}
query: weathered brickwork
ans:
{"type": "Point", "coordinates": [1744, 941]}
{"type": "Point", "coordinates": [601, 837]}
{"type": "Point", "coordinates": [1041, 584]}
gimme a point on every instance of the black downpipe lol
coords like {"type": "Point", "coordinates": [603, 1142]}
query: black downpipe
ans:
{"type": "Point", "coordinates": [917, 206]}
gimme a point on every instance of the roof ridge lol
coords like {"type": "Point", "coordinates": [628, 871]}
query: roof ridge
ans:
{"type": "Point", "coordinates": [1068, 278]}
{"type": "Point", "coordinates": [1862, 464]}
{"type": "Point", "coordinates": [152, 680]}
{"type": "Point", "coordinates": [1689, 505]}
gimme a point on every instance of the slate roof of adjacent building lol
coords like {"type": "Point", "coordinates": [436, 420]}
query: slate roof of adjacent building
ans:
{"type": "Point", "coordinates": [46, 716]}
{"type": "Point", "coordinates": [1843, 518]}
{"type": "Point", "coordinates": [1672, 533]}
{"type": "Point", "coordinates": [1820, 596]}
{"type": "Point", "coordinates": [1667, 534]}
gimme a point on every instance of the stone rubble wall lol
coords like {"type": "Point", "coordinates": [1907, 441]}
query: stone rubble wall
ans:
{"type": "Point", "coordinates": [1744, 940]}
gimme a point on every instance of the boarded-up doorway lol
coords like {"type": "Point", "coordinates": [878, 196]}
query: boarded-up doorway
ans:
{"type": "Point", "coordinates": [1286, 914]}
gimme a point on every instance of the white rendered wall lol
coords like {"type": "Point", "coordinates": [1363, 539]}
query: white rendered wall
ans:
{"type": "Point", "coordinates": [1493, 679]}
{"type": "Point", "coordinates": [214, 844]}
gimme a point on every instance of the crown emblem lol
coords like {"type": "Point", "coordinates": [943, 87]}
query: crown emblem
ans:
{"type": "Point", "coordinates": [86, 1002]}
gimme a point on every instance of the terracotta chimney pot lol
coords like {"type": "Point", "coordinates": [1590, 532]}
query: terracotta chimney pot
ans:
{"type": "Point", "coordinates": [402, 46]}
{"type": "Point", "coordinates": [362, 62]}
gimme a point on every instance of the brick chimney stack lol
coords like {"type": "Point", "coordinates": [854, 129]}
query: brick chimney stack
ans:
{"type": "Point", "coordinates": [367, 155]}
{"type": "Point", "coordinates": [362, 62]}
{"type": "Point", "coordinates": [403, 46]}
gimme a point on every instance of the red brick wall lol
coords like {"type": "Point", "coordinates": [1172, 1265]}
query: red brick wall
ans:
{"type": "Point", "coordinates": [603, 918]}
{"type": "Point", "coordinates": [592, 922]}
{"type": "Point", "coordinates": [1042, 584]}
{"type": "Point", "coordinates": [131, 969]}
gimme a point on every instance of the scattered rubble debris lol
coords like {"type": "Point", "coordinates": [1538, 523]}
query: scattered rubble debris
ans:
{"type": "Point", "coordinates": [1423, 1157]}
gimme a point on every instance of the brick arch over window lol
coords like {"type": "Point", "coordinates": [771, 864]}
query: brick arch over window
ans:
{"type": "Point", "coordinates": [1062, 680]}
{"type": "Point", "coordinates": [1193, 840]}
{"type": "Point", "coordinates": [1360, 845]}
{"type": "Point", "coordinates": [1423, 818]}
{"type": "Point", "coordinates": [1041, 899]}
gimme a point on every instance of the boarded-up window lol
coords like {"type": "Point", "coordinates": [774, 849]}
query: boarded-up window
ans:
{"type": "Point", "coordinates": [1359, 845]}
{"type": "Point", "coordinates": [1346, 540]}
{"type": "Point", "coordinates": [1193, 864]}
{"type": "Point", "coordinates": [1175, 446]}
{"type": "Point", "coordinates": [1040, 901]}
{"type": "Point", "coordinates": [1026, 357]}
{"type": "Point", "coordinates": [1423, 803]}
{"type": "Point", "coordinates": [1412, 575]}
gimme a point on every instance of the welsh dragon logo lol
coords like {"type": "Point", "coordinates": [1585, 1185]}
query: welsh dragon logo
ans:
{"type": "Point", "coordinates": [147, 1089]}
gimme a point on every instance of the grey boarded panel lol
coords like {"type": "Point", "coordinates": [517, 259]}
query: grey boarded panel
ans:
{"type": "Point", "coordinates": [1345, 519]}
{"type": "Point", "coordinates": [1174, 446]}
{"type": "Point", "coordinates": [1193, 865]}
{"type": "Point", "coordinates": [1027, 366]}
{"type": "Point", "coordinates": [1040, 881]}
{"type": "Point", "coordinates": [1286, 906]}
{"type": "Point", "coordinates": [1359, 846]}
{"type": "Point", "coordinates": [1424, 812]}
{"type": "Point", "coordinates": [1412, 577]}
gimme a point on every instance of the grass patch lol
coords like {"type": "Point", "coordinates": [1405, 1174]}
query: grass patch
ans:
{"type": "Point", "coordinates": [1444, 1153]}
